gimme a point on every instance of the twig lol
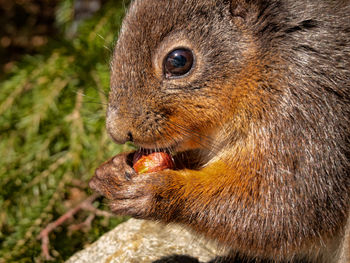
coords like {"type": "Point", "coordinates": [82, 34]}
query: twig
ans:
{"type": "Point", "coordinates": [44, 234]}
{"type": "Point", "coordinates": [96, 211]}
{"type": "Point", "coordinates": [86, 224]}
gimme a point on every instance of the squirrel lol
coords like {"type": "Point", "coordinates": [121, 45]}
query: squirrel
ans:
{"type": "Point", "coordinates": [252, 99]}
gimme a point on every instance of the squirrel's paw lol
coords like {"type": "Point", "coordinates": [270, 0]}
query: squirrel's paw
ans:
{"type": "Point", "coordinates": [129, 193]}
{"type": "Point", "coordinates": [111, 175]}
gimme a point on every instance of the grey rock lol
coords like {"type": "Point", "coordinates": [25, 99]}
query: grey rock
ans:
{"type": "Point", "coordinates": [138, 241]}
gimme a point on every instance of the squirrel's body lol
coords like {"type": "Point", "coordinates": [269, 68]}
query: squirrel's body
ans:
{"type": "Point", "coordinates": [264, 111]}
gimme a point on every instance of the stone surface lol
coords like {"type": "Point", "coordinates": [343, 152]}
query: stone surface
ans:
{"type": "Point", "coordinates": [140, 241]}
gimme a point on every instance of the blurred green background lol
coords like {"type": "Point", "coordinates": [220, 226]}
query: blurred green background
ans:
{"type": "Point", "coordinates": [54, 81]}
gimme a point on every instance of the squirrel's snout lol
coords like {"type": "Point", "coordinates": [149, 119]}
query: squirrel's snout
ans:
{"type": "Point", "coordinates": [118, 136]}
{"type": "Point", "coordinates": [144, 126]}
{"type": "Point", "coordinates": [117, 128]}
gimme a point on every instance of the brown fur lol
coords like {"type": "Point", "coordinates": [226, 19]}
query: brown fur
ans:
{"type": "Point", "coordinates": [266, 109]}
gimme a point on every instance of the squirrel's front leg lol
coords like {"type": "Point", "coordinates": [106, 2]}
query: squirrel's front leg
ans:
{"type": "Point", "coordinates": [168, 195]}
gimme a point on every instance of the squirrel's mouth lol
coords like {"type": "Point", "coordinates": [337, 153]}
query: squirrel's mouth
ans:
{"type": "Point", "coordinates": [185, 154]}
{"type": "Point", "coordinates": [190, 159]}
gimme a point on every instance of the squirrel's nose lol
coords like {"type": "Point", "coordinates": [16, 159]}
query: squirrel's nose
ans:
{"type": "Point", "coordinates": [117, 127]}
{"type": "Point", "coordinates": [130, 137]}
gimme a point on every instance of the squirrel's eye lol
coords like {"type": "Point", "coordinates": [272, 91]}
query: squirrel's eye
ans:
{"type": "Point", "coordinates": [178, 62]}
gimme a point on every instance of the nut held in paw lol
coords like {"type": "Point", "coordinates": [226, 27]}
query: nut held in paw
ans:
{"type": "Point", "coordinates": [153, 162]}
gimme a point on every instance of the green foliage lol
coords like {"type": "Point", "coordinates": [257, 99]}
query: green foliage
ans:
{"type": "Point", "coordinates": [52, 137]}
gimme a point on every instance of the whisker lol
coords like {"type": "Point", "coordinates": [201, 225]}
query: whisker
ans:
{"type": "Point", "coordinates": [100, 91]}
{"type": "Point", "coordinates": [180, 161]}
{"type": "Point", "coordinates": [199, 135]}
{"type": "Point", "coordinates": [100, 36]}
{"type": "Point", "coordinates": [196, 137]}
{"type": "Point", "coordinates": [202, 140]}
{"type": "Point", "coordinates": [96, 102]}
{"type": "Point", "coordinates": [187, 130]}
{"type": "Point", "coordinates": [106, 47]}
{"type": "Point", "coordinates": [210, 147]}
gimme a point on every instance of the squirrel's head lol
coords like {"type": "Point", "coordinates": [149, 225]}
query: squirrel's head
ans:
{"type": "Point", "coordinates": [177, 71]}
